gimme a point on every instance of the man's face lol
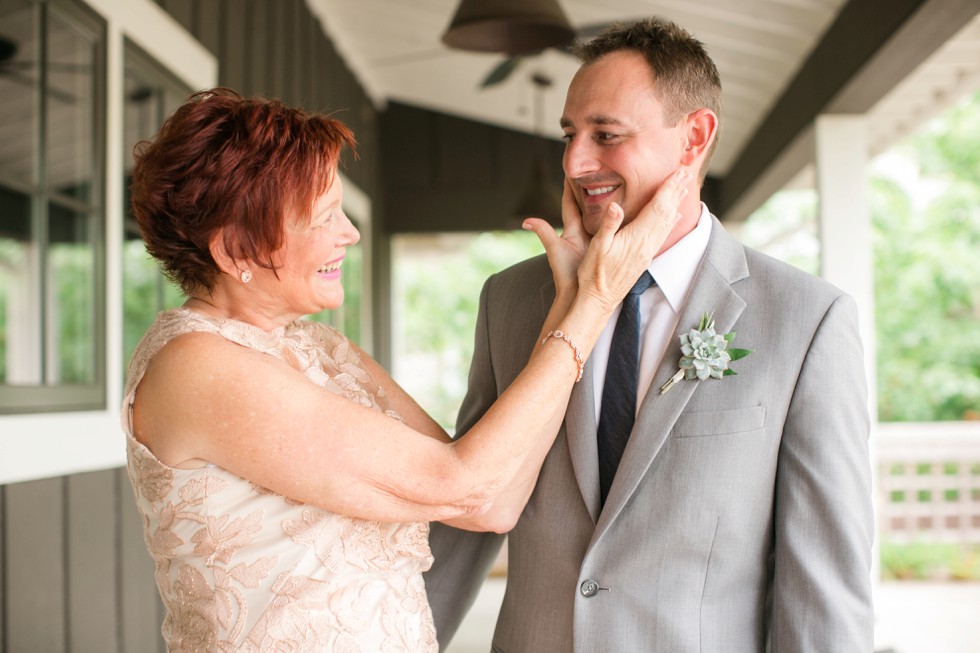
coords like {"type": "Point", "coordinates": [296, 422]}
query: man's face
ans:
{"type": "Point", "coordinates": [618, 148]}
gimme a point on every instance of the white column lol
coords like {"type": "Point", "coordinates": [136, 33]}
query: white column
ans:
{"type": "Point", "coordinates": [845, 220]}
{"type": "Point", "coordinates": [846, 256]}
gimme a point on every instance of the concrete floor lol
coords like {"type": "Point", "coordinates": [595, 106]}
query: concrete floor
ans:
{"type": "Point", "coordinates": [912, 617]}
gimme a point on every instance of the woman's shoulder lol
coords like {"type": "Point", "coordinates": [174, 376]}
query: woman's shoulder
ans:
{"type": "Point", "coordinates": [166, 327]}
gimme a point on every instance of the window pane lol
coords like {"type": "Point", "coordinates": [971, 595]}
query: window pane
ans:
{"type": "Point", "coordinates": [353, 279]}
{"type": "Point", "coordinates": [145, 293]}
{"type": "Point", "coordinates": [150, 96]}
{"type": "Point", "coordinates": [52, 63]}
{"type": "Point", "coordinates": [19, 315]}
{"type": "Point", "coordinates": [436, 281]}
{"type": "Point", "coordinates": [18, 88]}
{"type": "Point", "coordinates": [70, 106]}
{"type": "Point", "coordinates": [71, 297]}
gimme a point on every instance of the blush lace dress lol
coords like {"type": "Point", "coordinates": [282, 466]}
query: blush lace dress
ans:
{"type": "Point", "coordinates": [241, 568]}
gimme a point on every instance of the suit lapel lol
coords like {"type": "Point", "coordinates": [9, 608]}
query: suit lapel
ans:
{"type": "Point", "coordinates": [580, 426]}
{"type": "Point", "coordinates": [723, 264]}
{"type": "Point", "coordinates": [580, 432]}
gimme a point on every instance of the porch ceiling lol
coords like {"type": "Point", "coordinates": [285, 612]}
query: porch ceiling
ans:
{"type": "Point", "coordinates": [782, 62]}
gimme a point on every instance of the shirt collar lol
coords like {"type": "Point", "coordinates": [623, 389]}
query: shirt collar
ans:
{"type": "Point", "coordinates": [674, 269]}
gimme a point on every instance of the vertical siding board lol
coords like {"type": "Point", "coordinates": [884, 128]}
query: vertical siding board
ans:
{"type": "Point", "coordinates": [278, 49]}
{"type": "Point", "coordinates": [258, 51]}
{"type": "Point", "coordinates": [208, 25]}
{"type": "Point", "coordinates": [35, 584]}
{"type": "Point", "coordinates": [320, 71]}
{"type": "Point", "coordinates": [296, 69]}
{"type": "Point", "coordinates": [92, 587]}
{"type": "Point", "coordinates": [233, 64]}
{"type": "Point", "coordinates": [287, 64]}
{"type": "Point", "coordinates": [3, 564]}
{"type": "Point", "coordinates": [140, 610]}
{"type": "Point", "coordinates": [305, 25]}
{"type": "Point", "coordinates": [182, 10]}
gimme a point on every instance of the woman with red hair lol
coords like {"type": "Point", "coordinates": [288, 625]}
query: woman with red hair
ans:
{"type": "Point", "coordinates": [285, 481]}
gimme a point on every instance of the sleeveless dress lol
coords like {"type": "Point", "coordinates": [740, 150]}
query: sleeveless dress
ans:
{"type": "Point", "coordinates": [240, 568]}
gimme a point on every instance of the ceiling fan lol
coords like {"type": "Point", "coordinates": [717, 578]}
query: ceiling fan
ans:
{"type": "Point", "coordinates": [503, 70]}
{"type": "Point", "coordinates": [517, 28]}
{"type": "Point", "coordinates": [25, 72]}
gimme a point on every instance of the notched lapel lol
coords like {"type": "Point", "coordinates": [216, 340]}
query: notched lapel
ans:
{"type": "Point", "coordinates": [580, 426]}
{"type": "Point", "coordinates": [723, 264]}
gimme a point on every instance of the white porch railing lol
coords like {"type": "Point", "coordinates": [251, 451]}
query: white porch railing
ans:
{"type": "Point", "coordinates": [929, 482]}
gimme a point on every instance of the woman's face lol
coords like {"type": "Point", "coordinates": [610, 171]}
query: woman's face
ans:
{"type": "Point", "coordinates": [311, 257]}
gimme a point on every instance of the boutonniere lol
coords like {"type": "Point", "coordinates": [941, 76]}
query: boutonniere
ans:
{"type": "Point", "coordinates": [706, 354]}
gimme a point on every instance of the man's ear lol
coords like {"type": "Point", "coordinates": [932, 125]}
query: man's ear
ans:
{"type": "Point", "coordinates": [701, 129]}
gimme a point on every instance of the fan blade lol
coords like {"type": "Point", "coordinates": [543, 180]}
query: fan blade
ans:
{"type": "Point", "coordinates": [501, 71]}
{"type": "Point", "coordinates": [586, 33]}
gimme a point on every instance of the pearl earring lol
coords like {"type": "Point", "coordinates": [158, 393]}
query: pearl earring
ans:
{"type": "Point", "coordinates": [246, 275]}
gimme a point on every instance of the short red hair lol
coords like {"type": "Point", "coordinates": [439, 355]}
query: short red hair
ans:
{"type": "Point", "coordinates": [222, 161]}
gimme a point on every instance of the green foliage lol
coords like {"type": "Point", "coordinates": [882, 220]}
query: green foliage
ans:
{"type": "Point", "coordinates": [145, 293]}
{"type": "Point", "coordinates": [9, 255]}
{"type": "Point", "coordinates": [72, 281]}
{"type": "Point", "coordinates": [927, 280]}
{"type": "Point", "coordinates": [436, 292]}
{"type": "Point", "coordinates": [924, 561]}
{"type": "Point", "coordinates": [786, 227]}
{"type": "Point", "coordinates": [925, 205]}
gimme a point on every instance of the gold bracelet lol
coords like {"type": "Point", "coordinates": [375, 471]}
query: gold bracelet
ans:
{"type": "Point", "coordinates": [560, 335]}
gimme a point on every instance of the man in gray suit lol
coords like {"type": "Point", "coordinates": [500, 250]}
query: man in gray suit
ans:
{"type": "Point", "coordinates": [739, 516]}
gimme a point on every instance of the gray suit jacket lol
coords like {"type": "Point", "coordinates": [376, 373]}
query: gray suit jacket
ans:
{"type": "Point", "coordinates": [740, 515]}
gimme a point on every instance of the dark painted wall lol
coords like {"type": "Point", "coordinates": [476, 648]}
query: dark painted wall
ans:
{"type": "Point", "coordinates": [277, 48]}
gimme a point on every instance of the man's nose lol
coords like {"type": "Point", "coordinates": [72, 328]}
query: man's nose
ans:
{"type": "Point", "coordinates": [579, 159]}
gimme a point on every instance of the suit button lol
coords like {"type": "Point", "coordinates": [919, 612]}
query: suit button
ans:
{"type": "Point", "coordinates": [589, 588]}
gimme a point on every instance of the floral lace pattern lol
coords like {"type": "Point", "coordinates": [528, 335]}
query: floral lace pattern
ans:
{"type": "Point", "coordinates": [241, 568]}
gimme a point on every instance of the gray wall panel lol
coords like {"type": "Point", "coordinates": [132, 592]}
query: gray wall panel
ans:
{"type": "Point", "coordinates": [34, 593]}
{"type": "Point", "coordinates": [3, 561]}
{"type": "Point", "coordinates": [209, 24]}
{"type": "Point", "coordinates": [140, 609]}
{"type": "Point", "coordinates": [182, 10]}
{"type": "Point", "coordinates": [92, 550]}
{"type": "Point", "coordinates": [233, 64]}
{"type": "Point", "coordinates": [258, 80]}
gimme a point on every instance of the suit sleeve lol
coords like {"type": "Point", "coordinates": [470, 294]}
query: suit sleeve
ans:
{"type": "Point", "coordinates": [821, 591]}
{"type": "Point", "coordinates": [463, 558]}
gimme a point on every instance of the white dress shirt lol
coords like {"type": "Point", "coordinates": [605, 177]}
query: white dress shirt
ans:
{"type": "Point", "coordinates": [660, 308]}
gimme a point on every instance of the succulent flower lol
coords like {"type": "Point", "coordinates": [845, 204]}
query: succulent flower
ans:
{"type": "Point", "coordinates": [706, 354]}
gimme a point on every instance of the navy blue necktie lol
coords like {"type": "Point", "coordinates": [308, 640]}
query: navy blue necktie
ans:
{"type": "Point", "coordinates": [618, 410]}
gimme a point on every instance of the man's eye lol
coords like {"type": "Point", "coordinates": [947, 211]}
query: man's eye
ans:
{"type": "Point", "coordinates": [604, 137]}
{"type": "Point", "coordinates": [567, 137]}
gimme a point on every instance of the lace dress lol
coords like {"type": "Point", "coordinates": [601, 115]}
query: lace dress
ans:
{"type": "Point", "coordinates": [241, 568]}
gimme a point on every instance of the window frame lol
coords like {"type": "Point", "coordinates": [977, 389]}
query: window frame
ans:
{"type": "Point", "coordinates": [42, 444]}
{"type": "Point", "coordinates": [44, 397]}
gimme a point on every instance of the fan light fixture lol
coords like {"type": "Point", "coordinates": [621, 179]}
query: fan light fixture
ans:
{"type": "Point", "coordinates": [508, 26]}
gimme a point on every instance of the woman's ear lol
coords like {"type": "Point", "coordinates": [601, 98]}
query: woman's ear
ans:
{"type": "Point", "coordinates": [222, 259]}
{"type": "Point", "coordinates": [701, 129]}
